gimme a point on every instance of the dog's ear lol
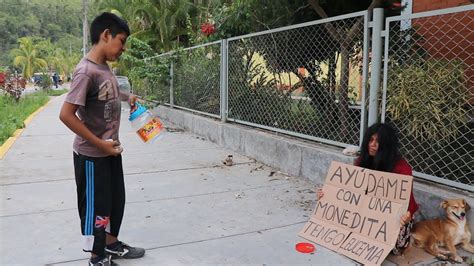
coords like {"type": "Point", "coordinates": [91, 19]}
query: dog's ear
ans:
{"type": "Point", "coordinates": [444, 204]}
{"type": "Point", "coordinates": [467, 205]}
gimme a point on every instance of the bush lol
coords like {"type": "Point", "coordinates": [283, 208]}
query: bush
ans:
{"type": "Point", "coordinates": [150, 77]}
{"type": "Point", "coordinates": [428, 98]}
{"type": "Point", "coordinates": [45, 81]}
{"type": "Point", "coordinates": [197, 79]}
{"type": "Point", "coordinates": [429, 103]}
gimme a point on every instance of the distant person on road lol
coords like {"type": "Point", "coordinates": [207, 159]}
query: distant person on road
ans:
{"type": "Point", "coordinates": [55, 80]}
{"type": "Point", "coordinates": [379, 151]}
{"type": "Point", "coordinates": [95, 96]}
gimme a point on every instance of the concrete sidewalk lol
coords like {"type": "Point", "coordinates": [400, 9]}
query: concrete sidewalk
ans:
{"type": "Point", "coordinates": [183, 205]}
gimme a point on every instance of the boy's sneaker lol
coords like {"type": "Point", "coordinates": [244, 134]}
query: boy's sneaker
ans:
{"type": "Point", "coordinates": [103, 262]}
{"type": "Point", "coordinates": [125, 251]}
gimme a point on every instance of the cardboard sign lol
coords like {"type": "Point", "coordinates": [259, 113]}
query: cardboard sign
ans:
{"type": "Point", "coordinates": [359, 215]}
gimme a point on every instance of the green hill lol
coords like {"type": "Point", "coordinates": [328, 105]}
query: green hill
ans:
{"type": "Point", "coordinates": [57, 20]}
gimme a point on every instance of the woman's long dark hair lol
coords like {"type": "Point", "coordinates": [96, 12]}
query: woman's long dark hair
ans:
{"type": "Point", "coordinates": [387, 154]}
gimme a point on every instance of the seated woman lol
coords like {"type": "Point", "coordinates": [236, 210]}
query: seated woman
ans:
{"type": "Point", "coordinates": [380, 152]}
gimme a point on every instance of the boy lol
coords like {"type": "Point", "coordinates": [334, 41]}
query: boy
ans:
{"type": "Point", "coordinates": [95, 96]}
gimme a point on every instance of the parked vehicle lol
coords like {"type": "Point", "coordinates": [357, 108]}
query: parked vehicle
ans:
{"type": "Point", "coordinates": [124, 84]}
{"type": "Point", "coordinates": [37, 77]}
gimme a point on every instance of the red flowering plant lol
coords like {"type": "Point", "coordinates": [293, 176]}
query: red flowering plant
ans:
{"type": "Point", "coordinates": [11, 85]}
{"type": "Point", "coordinates": [393, 7]}
{"type": "Point", "coordinates": [397, 6]}
{"type": "Point", "coordinates": [2, 79]}
{"type": "Point", "coordinates": [208, 28]}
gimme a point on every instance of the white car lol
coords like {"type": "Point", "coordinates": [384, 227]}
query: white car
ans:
{"type": "Point", "coordinates": [124, 84]}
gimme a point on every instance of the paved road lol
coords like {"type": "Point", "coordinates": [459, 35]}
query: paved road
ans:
{"type": "Point", "coordinates": [31, 88]}
{"type": "Point", "coordinates": [183, 205]}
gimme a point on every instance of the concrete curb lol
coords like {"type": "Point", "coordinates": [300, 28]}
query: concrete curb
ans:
{"type": "Point", "coordinates": [11, 140]}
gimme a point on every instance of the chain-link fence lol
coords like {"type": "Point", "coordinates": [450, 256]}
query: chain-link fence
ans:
{"type": "Point", "coordinates": [196, 78]}
{"type": "Point", "coordinates": [304, 80]}
{"type": "Point", "coordinates": [429, 77]}
{"type": "Point", "coordinates": [151, 78]}
{"type": "Point", "coordinates": [309, 80]}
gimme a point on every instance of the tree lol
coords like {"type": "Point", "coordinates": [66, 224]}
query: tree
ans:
{"type": "Point", "coordinates": [26, 56]}
{"type": "Point", "coordinates": [346, 38]}
{"type": "Point", "coordinates": [163, 24]}
{"type": "Point", "coordinates": [50, 19]}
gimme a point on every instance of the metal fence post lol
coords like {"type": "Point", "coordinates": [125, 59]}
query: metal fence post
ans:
{"type": "Point", "coordinates": [223, 81]}
{"type": "Point", "coordinates": [365, 73]}
{"type": "Point", "coordinates": [376, 64]}
{"type": "Point", "coordinates": [172, 84]}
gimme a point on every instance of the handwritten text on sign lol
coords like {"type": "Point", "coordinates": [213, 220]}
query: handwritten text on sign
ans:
{"type": "Point", "coordinates": [360, 212]}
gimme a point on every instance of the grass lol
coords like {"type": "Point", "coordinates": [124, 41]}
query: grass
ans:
{"type": "Point", "coordinates": [12, 113]}
{"type": "Point", "coordinates": [57, 92]}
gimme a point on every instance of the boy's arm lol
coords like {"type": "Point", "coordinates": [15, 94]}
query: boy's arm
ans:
{"type": "Point", "coordinates": [69, 118]}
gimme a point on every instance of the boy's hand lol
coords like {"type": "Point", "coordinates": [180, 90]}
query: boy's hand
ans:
{"type": "Point", "coordinates": [131, 101]}
{"type": "Point", "coordinates": [111, 147]}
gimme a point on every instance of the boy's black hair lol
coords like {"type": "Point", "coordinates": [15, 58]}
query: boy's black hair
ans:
{"type": "Point", "coordinates": [388, 152]}
{"type": "Point", "coordinates": [109, 21]}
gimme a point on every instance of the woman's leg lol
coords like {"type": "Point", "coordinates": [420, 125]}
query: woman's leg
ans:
{"type": "Point", "coordinates": [403, 238]}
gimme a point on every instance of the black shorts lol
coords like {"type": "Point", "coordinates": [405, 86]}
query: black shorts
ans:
{"type": "Point", "coordinates": [100, 198]}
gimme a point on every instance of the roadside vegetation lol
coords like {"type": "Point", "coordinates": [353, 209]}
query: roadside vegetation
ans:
{"type": "Point", "coordinates": [14, 113]}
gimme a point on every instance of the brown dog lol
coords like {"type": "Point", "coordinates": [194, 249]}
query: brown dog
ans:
{"type": "Point", "coordinates": [431, 234]}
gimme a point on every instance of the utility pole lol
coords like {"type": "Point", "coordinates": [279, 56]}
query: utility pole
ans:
{"type": "Point", "coordinates": [84, 28]}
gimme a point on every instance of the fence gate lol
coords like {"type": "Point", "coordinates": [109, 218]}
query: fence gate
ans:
{"type": "Point", "coordinates": [428, 83]}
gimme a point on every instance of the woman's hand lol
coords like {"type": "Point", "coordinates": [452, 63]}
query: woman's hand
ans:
{"type": "Point", "coordinates": [319, 193]}
{"type": "Point", "coordinates": [405, 219]}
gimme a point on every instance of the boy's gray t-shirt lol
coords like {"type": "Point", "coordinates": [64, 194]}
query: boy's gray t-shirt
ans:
{"type": "Point", "coordinates": [95, 89]}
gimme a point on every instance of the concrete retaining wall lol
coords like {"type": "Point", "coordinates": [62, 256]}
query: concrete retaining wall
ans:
{"type": "Point", "coordinates": [299, 158]}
